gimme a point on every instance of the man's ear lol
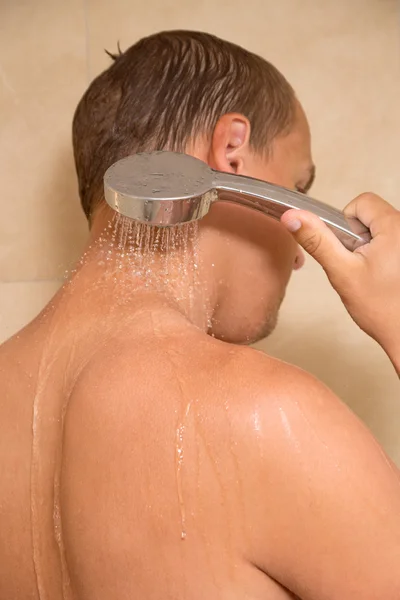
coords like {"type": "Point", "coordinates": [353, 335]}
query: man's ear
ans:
{"type": "Point", "coordinates": [230, 143]}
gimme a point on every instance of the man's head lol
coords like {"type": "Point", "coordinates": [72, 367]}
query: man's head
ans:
{"type": "Point", "coordinates": [192, 92]}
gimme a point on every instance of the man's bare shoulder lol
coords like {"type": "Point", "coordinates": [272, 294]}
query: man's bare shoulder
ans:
{"type": "Point", "coordinates": [126, 373]}
{"type": "Point", "coordinates": [310, 485]}
{"type": "Point", "coordinates": [131, 375]}
{"type": "Point", "coordinates": [17, 363]}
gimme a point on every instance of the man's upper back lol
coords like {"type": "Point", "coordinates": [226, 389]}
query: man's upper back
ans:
{"type": "Point", "coordinates": [190, 468]}
{"type": "Point", "coordinates": [268, 477]}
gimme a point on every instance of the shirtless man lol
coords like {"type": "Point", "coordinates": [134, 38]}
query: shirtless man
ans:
{"type": "Point", "coordinates": [141, 458]}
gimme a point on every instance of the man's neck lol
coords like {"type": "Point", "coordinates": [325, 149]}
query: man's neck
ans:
{"type": "Point", "coordinates": [138, 267]}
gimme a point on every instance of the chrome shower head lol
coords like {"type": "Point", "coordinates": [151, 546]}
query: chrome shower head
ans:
{"type": "Point", "coordinates": [167, 188]}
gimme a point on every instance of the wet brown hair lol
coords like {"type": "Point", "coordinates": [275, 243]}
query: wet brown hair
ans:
{"type": "Point", "coordinates": [164, 91]}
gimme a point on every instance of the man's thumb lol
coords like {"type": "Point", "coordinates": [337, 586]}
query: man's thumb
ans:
{"type": "Point", "coordinates": [317, 240]}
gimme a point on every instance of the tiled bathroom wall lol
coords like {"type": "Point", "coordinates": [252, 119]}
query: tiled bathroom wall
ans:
{"type": "Point", "coordinates": [342, 57]}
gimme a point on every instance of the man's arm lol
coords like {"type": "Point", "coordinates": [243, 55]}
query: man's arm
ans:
{"type": "Point", "coordinates": [330, 498]}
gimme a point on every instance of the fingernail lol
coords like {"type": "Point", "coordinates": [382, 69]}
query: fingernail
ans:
{"type": "Point", "coordinates": [293, 225]}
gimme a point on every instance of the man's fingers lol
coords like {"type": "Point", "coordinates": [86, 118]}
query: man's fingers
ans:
{"type": "Point", "coordinates": [371, 210]}
{"type": "Point", "coordinates": [318, 240]}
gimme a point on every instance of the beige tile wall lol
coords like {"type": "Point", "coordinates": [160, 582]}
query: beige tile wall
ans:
{"type": "Point", "coordinates": [344, 60]}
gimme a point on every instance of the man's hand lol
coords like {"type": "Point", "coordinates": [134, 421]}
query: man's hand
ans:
{"type": "Point", "coordinates": [367, 280]}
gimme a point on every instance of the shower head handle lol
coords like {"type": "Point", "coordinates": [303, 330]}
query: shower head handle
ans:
{"type": "Point", "coordinates": [168, 188]}
{"type": "Point", "coordinates": [273, 200]}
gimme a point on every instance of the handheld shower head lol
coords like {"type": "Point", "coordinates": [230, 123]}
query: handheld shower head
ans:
{"type": "Point", "coordinates": [167, 188]}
